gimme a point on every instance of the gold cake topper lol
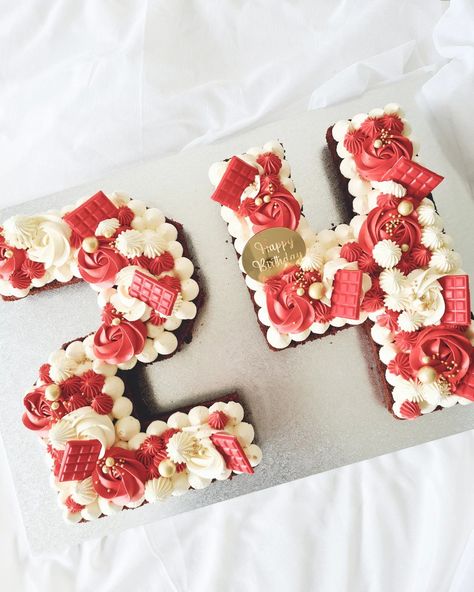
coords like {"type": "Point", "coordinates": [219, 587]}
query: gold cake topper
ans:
{"type": "Point", "coordinates": [271, 251]}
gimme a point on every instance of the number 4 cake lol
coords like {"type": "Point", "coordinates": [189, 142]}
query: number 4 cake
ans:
{"type": "Point", "coordinates": [393, 264]}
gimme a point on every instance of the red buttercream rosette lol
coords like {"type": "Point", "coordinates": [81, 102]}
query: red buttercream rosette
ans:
{"type": "Point", "coordinates": [446, 350]}
{"type": "Point", "coordinates": [37, 415]}
{"type": "Point", "coordinates": [281, 211]}
{"type": "Point", "coordinates": [288, 312]}
{"type": "Point", "coordinates": [124, 481]}
{"type": "Point", "coordinates": [382, 224]}
{"type": "Point", "coordinates": [119, 343]}
{"type": "Point", "coordinates": [101, 267]}
{"type": "Point", "coordinates": [372, 163]}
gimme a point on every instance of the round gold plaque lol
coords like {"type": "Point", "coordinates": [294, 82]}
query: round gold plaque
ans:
{"type": "Point", "coordinates": [271, 251]}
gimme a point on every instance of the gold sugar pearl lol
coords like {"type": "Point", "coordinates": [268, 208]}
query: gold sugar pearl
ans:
{"type": "Point", "coordinates": [258, 201]}
{"type": "Point", "coordinates": [55, 406]}
{"type": "Point", "coordinates": [167, 468]}
{"type": "Point", "coordinates": [300, 291]}
{"type": "Point", "coordinates": [426, 374]}
{"type": "Point", "coordinates": [316, 290]}
{"type": "Point", "coordinates": [266, 199]}
{"type": "Point", "coordinates": [109, 461]}
{"type": "Point", "coordinates": [52, 392]}
{"type": "Point", "coordinates": [405, 207]}
{"type": "Point", "coordinates": [116, 321]}
{"type": "Point", "coordinates": [90, 244]}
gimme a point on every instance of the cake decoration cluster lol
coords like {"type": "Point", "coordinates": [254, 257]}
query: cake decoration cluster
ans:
{"type": "Point", "coordinates": [326, 287]}
{"type": "Point", "coordinates": [393, 263]}
{"type": "Point", "coordinates": [101, 459]}
{"type": "Point", "coordinates": [420, 299]}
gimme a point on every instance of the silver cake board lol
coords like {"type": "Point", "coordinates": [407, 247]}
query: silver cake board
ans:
{"type": "Point", "coordinates": [314, 407]}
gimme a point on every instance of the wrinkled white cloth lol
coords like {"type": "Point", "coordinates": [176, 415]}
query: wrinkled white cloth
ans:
{"type": "Point", "coordinates": [89, 86]}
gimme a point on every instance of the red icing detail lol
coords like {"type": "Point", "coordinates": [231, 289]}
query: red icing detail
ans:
{"type": "Point", "coordinates": [270, 162]}
{"type": "Point", "coordinates": [152, 445]}
{"type": "Point", "coordinates": [418, 180]}
{"type": "Point", "coordinates": [445, 348]}
{"type": "Point", "coordinates": [44, 373]}
{"type": "Point", "coordinates": [85, 218]}
{"type": "Point", "coordinates": [406, 264]}
{"type": "Point", "coordinates": [102, 266]}
{"type": "Point", "coordinates": [405, 340]}
{"type": "Point", "coordinates": [237, 177]}
{"type": "Point", "coordinates": [162, 263]}
{"type": "Point", "coordinates": [92, 383]}
{"type": "Point", "coordinates": [282, 211]}
{"type": "Point", "coordinates": [218, 420]}
{"type": "Point", "coordinates": [368, 264]}
{"type": "Point", "coordinates": [109, 313]}
{"type": "Point", "coordinates": [421, 255]}
{"type": "Point", "coordinates": [351, 251]}
{"type": "Point", "coordinates": [33, 269]}
{"type": "Point", "coordinates": [400, 365]}
{"type": "Point", "coordinates": [322, 312]}
{"type": "Point", "coordinates": [152, 471]}
{"type": "Point", "coordinates": [457, 299]}
{"type": "Point", "coordinates": [345, 298]}
{"type": "Point", "coordinates": [37, 414]}
{"type": "Point", "coordinates": [124, 482]}
{"type": "Point", "coordinates": [153, 292]}
{"type": "Point", "coordinates": [410, 410]}
{"type": "Point", "coordinates": [173, 283]}
{"type": "Point", "coordinates": [73, 506]}
{"type": "Point", "coordinates": [373, 163]}
{"type": "Point", "coordinates": [19, 279]}
{"type": "Point", "coordinates": [383, 224]}
{"type": "Point", "coordinates": [142, 261]}
{"type": "Point", "coordinates": [385, 200]}
{"type": "Point", "coordinates": [156, 319]}
{"type": "Point", "coordinates": [76, 401]}
{"type": "Point", "coordinates": [288, 312]}
{"type": "Point", "coordinates": [71, 386]}
{"type": "Point", "coordinates": [354, 140]}
{"type": "Point", "coordinates": [125, 215]}
{"type": "Point", "coordinates": [102, 404]}
{"type": "Point", "coordinates": [373, 299]}
{"type": "Point", "coordinates": [388, 319]}
{"type": "Point", "coordinates": [372, 126]}
{"type": "Point", "coordinates": [159, 456]}
{"type": "Point", "coordinates": [119, 343]}
{"type": "Point", "coordinates": [79, 459]}
{"type": "Point", "coordinates": [392, 122]}
{"type": "Point", "coordinates": [232, 451]}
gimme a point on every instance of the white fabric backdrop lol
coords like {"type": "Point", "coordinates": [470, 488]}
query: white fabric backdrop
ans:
{"type": "Point", "coordinates": [88, 86]}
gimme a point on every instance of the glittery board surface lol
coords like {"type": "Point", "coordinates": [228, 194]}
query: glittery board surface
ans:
{"type": "Point", "coordinates": [314, 408]}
